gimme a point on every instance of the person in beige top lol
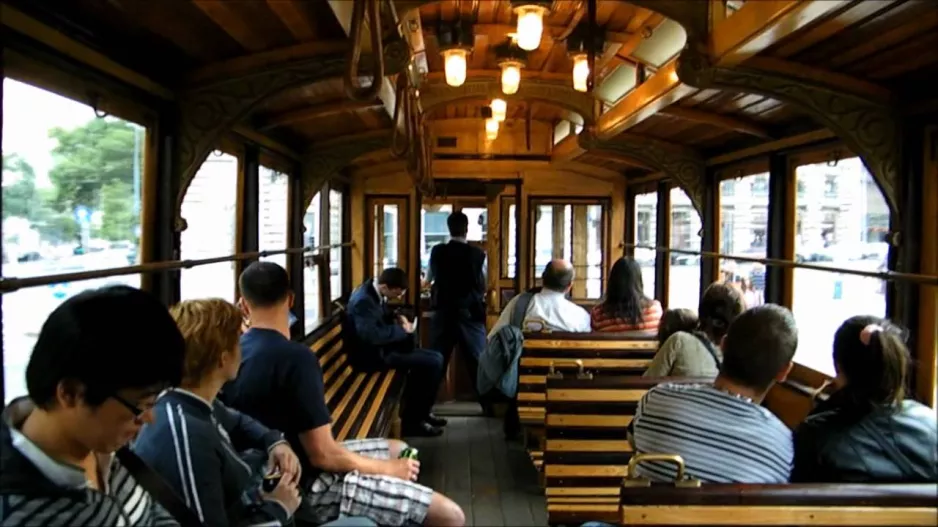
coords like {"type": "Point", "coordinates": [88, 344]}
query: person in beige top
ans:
{"type": "Point", "coordinates": [697, 353]}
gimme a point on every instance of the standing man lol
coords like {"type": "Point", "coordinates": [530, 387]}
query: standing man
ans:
{"type": "Point", "coordinates": [458, 278]}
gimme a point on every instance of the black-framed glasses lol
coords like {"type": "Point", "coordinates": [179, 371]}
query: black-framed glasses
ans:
{"type": "Point", "coordinates": [134, 409]}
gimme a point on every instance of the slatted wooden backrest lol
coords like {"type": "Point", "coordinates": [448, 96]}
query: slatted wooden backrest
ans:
{"type": "Point", "coordinates": [789, 504]}
{"type": "Point", "coordinates": [586, 451]}
{"type": "Point", "coordinates": [360, 402]}
{"type": "Point", "coordinates": [601, 354]}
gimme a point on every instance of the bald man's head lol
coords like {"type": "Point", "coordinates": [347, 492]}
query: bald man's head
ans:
{"type": "Point", "coordinates": [558, 276]}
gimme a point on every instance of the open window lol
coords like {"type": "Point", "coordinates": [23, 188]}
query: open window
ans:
{"type": "Point", "coordinates": [72, 202]}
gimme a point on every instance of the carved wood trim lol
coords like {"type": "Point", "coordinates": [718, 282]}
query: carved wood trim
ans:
{"type": "Point", "coordinates": [870, 128]}
{"type": "Point", "coordinates": [685, 165]}
{"type": "Point", "coordinates": [555, 92]}
{"type": "Point", "coordinates": [692, 15]}
{"type": "Point", "coordinates": [207, 112]}
{"type": "Point", "coordinates": [323, 163]}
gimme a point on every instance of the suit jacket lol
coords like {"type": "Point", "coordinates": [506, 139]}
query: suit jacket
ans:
{"type": "Point", "coordinates": [458, 280]}
{"type": "Point", "coordinates": [370, 329]}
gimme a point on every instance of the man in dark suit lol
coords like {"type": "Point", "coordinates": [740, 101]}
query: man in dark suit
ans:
{"type": "Point", "coordinates": [457, 273]}
{"type": "Point", "coordinates": [379, 339]}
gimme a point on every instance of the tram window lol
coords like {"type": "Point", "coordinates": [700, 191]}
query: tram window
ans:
{"type": "Point", "coordinates": [743, 230]}
{"type": "Point", "coordinates": [386, 237]}
{"type": "Point", "coordinates": [71, 203]}
{"type": "Point", "coordinates": [684, 278]}
{"type": "Point", "coordinates": [842, 221]}
{"type": "Point", "coordinates": [592, 274]}
{"type": "Point", "coordinates": [509, 243]}
{"type": "Point", "coordinates": [646, 214]}
{"type": "Point", "coordinates": [575, 233]}
{"type": "Point", "coordinates": [336, 236]}
{"type": "Point", "coordinates": [272, 213]}
{"type": "Point", "coordinates": [311, 290]}
{"type": "Point", "coordinates": [552, 225]}
{"type": "Point", "coordinates": [212, 195]}
{"type": "Point", "coordinates": [477, 231]}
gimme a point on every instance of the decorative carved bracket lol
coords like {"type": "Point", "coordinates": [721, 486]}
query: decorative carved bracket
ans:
{"type": "Point", "coordinates": [207, 112]}
{"type": "Point", "coordinates": [553, 92]}
{"type": "Point", "coordinates": [684, 165]}
{"type": "Point", "coordinates": [692, 15]}
{"type": "Point", "coordinates": [870, 128]}
{"type": "Point", "coordinates": [323, 163]}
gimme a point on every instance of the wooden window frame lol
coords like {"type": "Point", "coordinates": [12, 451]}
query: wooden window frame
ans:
{"type": "Point", "coordinates": [402, 201]}
{"type": "Point", "coordinates": [603, 201]}
{"type": "Point", "coordinates": [834, 151]}
{"type": "Point", "coordinates": [737, 171]}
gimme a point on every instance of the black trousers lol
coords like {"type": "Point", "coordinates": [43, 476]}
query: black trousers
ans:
{"type": "Point", "coordinates": [424, 373]}
{"type": "Point", "coordinates": [447, 329]}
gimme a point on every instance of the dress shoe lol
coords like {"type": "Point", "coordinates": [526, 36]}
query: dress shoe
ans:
{"type": "Point", "coordinates": [421, 429]}
{"type": "Point", "coordinates": [434, 420]}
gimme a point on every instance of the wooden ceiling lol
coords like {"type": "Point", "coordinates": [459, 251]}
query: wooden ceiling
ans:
{"type": "Point", "coordinates": [888, 45]}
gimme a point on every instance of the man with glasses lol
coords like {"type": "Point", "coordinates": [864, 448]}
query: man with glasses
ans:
{"type": "Point", "coordinates": [380, 338]}
{"type": "Point", "coordinates": [101, 359]}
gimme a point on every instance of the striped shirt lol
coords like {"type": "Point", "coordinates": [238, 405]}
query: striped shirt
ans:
{"type": "Point", "coordinates": [722, 438]}
{"type": "Point", "coordinates": [37, 490]}
{"type": "Point", "coordinates": [651, 316]}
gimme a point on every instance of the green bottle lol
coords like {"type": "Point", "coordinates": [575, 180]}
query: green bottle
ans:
{"type": "Point", "coordinates": [409, 453]}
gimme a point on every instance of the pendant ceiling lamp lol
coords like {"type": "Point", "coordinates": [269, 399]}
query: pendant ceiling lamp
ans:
{"type": "Point", "coordinates": [581, 72]}
{"type": "Point", "coordinates": [499, 109]}
{"type": "Point", "coordinates": [454, 62]}
{"type": "Point", "coordinates": [511, 77]}
{"type": "Point", "coordinates": [530, 22]}
{"type": "Point", "coordinates": [579, 44]}
{"type": "Point", "coordinates": [456, 41]}
{"type": "Point", "coordinates": [491, 129]}
{"type": "Point", "coordinates": [511, 59]}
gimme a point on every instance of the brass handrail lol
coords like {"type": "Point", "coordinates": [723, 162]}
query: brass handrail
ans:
{"type": "Point", "coordinates": [561, 363]}
{"type": "Point", "coordinates": [887, 275]}
{"type": "Point", "coordinates": [9, 285]}
{"type": "Point", "coordinates": [632, 479]}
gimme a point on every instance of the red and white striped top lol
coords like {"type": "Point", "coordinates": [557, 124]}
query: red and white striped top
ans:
{"type": "Point", "coordinates": [651, 316]}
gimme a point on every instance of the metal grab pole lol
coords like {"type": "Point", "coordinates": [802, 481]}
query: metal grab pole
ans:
{"type": "Point", "coordinates": [8, 285]}
{"type": "Point", "coordinates": [889, 275]}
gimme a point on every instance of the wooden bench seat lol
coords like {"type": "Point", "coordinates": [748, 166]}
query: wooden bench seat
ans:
{"type": "Point", "coordinates": [363, 405]}
{"type": "Point", "coordinates": [586, 451]}
{"type": "Point", "coordinates": [583, 354]}
{"type": "Point", "coordinates": [599, 353]}
{"type": "Point", "coordinates": [825, 504]}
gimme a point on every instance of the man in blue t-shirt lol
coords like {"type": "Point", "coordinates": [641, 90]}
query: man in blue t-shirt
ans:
{"type": "Point", "coordinates": [280, 384]}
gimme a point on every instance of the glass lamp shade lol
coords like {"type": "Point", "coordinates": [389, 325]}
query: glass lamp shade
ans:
{"type": "Point", "coordinates": [581, 72]}
{"type": "Point", "coordinates": [499, 109]}
{"type": "Point", "coordinates": [511, 77]}
{"type": "Point", "coordinates": [455, 65]}
{"type": "Point", "coordinates": [530, 26]}
{"type": "Point", "coordinates": [491, 129]}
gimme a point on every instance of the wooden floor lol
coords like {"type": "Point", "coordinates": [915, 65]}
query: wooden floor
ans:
{"type": "Point", "coordinates": [493, 480]}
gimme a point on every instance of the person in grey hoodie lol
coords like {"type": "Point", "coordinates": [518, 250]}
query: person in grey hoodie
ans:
{"type": "Point", "coordinates": [100, 361]}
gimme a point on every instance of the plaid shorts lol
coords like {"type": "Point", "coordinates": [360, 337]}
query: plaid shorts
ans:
{"type": "Point", "coordinates": [382, 499]}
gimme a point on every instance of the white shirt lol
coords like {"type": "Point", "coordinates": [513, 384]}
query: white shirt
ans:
{"type": "Point", "coordinates": [381, 299]}
{"type": "Point", "coordinates": [551, 307]}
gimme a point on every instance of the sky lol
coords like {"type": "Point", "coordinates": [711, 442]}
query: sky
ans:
{"type": "Point", "coordinates": [28, 115]}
